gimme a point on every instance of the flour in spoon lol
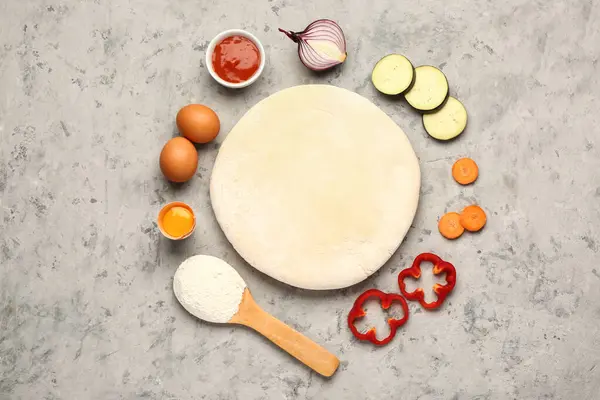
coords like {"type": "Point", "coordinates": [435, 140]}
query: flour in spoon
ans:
{"type": "Point", "coordinates": [208, 288]}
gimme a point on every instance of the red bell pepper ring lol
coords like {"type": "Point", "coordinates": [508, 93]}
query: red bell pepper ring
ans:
{"type": "Point", "coordinates": [386, 300]}
{"type": "Point", "coordinates": [439, 266]}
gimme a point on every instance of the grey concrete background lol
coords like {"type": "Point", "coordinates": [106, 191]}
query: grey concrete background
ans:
{"type": "Point", "coordinates": [88, 94]}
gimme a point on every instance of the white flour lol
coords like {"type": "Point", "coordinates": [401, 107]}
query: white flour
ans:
{"type": "Point", "coordinates": [208, 288]}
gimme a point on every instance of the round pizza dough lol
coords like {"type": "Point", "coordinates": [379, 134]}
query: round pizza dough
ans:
{"type": "Point", "coordinates": [316, 187]}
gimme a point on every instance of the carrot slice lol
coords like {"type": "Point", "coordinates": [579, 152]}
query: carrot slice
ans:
{"type": "Point", "coordinates": [465, 171]}
{"type": "Point", "coordinates": [449, 226]}
{"type": "Point", "coordinates": [473, 218]}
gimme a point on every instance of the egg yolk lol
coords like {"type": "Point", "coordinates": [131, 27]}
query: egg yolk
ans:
{"type": "Point", "coordinates": [178, 221]}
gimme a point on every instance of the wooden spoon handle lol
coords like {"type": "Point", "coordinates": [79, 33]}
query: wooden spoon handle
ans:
{"type": "Point", "coordinates": [298, 345]}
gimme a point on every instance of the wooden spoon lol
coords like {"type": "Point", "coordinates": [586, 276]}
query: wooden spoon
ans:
{"type": "Point", "coordinates": [290, 340]}
{"type": "Point", "coordinates": [211, 289]}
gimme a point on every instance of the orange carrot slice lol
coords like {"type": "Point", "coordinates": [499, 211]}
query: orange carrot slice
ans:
{"type": "Point", "coordinates": [465, 171]}
{"type": "Point", "coordinates": [449, 226]}
{"type": "Point", "coordinates": [473, 218]}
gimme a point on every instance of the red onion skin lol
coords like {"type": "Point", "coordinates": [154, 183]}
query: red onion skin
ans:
{"type": "Point", "coordinates": [290, 34]}
{"type": "Point", "coordinates": [296, 38]}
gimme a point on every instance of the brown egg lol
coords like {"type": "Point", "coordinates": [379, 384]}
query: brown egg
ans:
{"type": "Point", "coordinates": [178, 160]}
{"type": "Point", "coordinates": [198, 123]}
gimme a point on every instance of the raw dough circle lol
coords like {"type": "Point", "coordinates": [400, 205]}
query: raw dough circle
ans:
{"type": "Point", "coordinates": [316, 187]}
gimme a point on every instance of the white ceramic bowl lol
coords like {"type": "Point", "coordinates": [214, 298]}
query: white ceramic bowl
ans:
{"type": "Point", "coordinates": [211, 48]}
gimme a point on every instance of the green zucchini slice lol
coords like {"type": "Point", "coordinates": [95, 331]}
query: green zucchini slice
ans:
{"type": "Point", "coordinates": [429, 90]}
{"type": "Point", "coordinates": [448, 121]}
{"type": "Point", "coordinates": [393, 74]}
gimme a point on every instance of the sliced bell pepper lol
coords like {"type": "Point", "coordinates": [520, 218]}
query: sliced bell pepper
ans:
{"type": "Point", "coordinates": [439, 266]}
{"type": "Point", "coordinates": [386, 300]}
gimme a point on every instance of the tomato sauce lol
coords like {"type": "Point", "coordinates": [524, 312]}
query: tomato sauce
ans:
{"type": "Point", "coordinates": [235, 59]}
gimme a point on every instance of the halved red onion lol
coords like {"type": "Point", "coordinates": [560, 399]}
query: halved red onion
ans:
{"type": "Point", "coordinates": [321, 45]}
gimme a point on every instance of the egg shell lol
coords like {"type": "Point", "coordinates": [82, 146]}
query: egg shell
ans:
{"type": "Point", "coordinates": [198, 123]}
{"type": "Point", "coordinates": [179, 160]}
{"type": "Point", "coordinates": [163, 212]}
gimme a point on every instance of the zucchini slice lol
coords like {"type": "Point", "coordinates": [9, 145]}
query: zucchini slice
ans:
{"type": "Point", "coordinates": [429, 90]}
{"type": "Point", "coordinates": [448, 122]}
{"type": "Point", "coordinates": [393, 74]}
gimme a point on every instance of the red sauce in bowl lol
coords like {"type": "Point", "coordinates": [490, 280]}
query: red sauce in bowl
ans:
{"type": "Point", "coordinates": [235, 59]}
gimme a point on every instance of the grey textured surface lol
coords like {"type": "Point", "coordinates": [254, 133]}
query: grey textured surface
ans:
{"type": "Point", "coordinates": [89, 91]}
